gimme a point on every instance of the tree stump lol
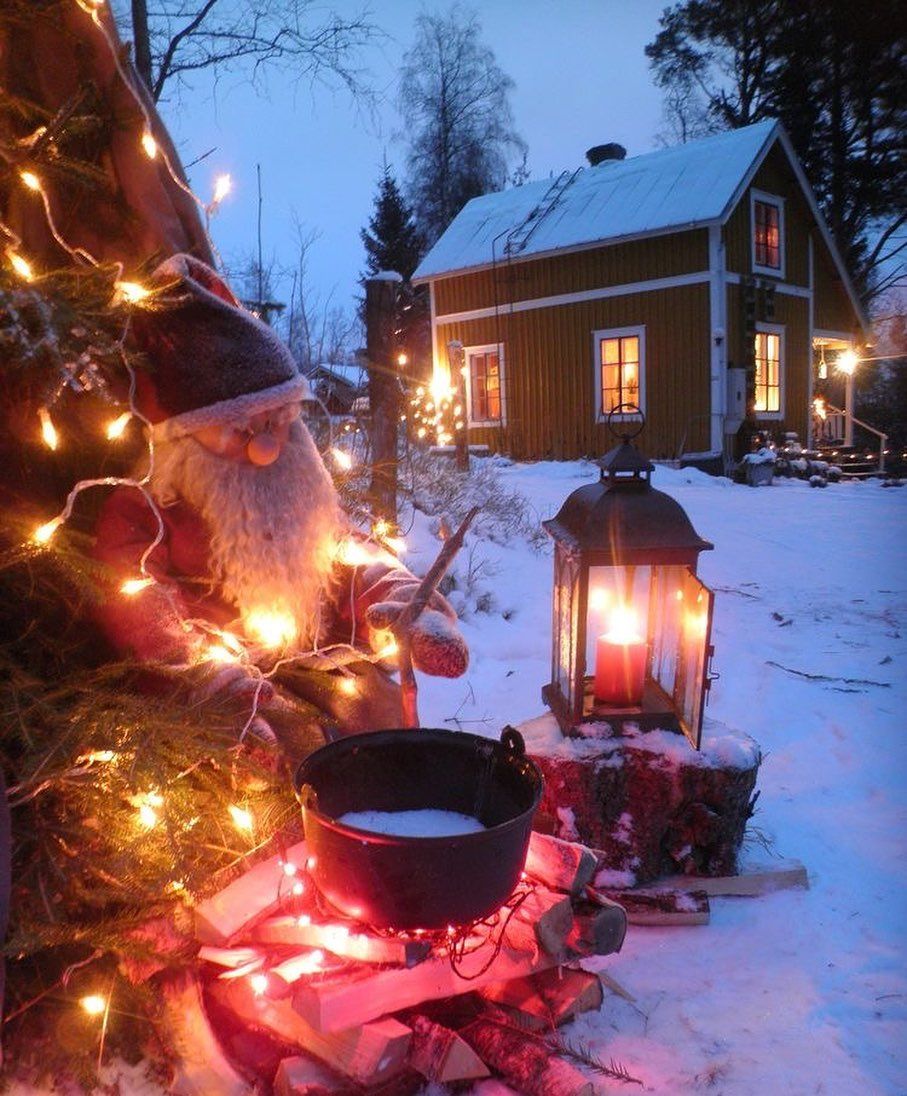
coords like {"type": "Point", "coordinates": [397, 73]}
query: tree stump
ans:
{"type": "Point", "coordinates": [649, 802]}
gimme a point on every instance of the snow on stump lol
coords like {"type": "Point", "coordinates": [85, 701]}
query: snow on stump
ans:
{"type": "Point", "coordinates": [649, 803]}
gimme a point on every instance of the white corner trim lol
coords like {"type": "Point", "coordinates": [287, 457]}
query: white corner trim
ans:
{"type": "Point", "coordinates": [718, 336]}
{"type": "Point", "coordinates": [617, 333]}
{"type": "Point", "coordinates": [650, 286]}
{"type": "Point", "coordinates": [775, 200]}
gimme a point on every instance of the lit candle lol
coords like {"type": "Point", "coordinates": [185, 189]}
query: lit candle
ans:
{"type": "Point", "coordinates": [620, 661]}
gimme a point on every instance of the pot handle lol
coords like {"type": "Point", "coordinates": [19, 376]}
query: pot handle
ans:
{"type": "Point", "coordinates": [513, 743]}
{"type": "Point", "coordinates": [308, 797]}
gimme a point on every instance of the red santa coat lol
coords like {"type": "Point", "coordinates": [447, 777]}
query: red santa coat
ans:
{"type": "Point", "coordinates": [150, 626]}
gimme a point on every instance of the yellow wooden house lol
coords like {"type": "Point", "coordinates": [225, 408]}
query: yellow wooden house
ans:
{"type": "Point", "coordinates": [695, 282]}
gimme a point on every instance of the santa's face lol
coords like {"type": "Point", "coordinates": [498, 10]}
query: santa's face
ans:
{"type": "Point", "coordinates": [258, 439]}
{"type": "Point", "coordinates": [273, 527]}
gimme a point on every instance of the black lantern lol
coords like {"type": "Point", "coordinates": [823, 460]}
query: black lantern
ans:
{"type": "Point", "coordinates": [628, 605]}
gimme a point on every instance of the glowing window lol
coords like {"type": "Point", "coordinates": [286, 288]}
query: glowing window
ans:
{"type": "Point", "coordinates": [768, 372]}
{"type": "Point", "coordinates": [486, 377]}
{"type": "Point", "coordinates": [621, 369]}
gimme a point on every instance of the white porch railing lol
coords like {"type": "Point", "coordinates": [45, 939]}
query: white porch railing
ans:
{"type": "Point", "coordinates": [834, 428]}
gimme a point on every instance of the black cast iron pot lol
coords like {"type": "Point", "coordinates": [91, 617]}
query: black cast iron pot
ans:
{"type": "Point", "coordinates": [419, 882]}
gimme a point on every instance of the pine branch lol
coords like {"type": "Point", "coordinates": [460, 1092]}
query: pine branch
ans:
{"type": "Point", "coordinates": [581, 1053]}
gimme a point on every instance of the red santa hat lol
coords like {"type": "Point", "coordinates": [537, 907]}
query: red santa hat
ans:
{"type": "Point", "coordinates": [210, 361]}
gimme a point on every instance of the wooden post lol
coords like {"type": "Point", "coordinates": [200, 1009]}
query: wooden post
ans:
{"type": "Point", "coordinates": [381, 294]}
{"type": "Point", "coordinates": [456, 359]}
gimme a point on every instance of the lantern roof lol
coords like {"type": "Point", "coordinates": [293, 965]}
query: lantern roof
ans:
{"type": "Point", "coordinates": [623, 520]}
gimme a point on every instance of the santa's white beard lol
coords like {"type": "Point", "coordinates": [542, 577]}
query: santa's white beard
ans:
{"type": "Point", "coordinates": [273, 529]}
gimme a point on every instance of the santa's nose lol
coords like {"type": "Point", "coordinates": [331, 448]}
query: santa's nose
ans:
{"type": "Point", "coordinates": [263, 449]}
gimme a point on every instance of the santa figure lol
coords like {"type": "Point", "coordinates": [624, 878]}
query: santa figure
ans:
{"type": "Point", "coordinates": [246, 534]}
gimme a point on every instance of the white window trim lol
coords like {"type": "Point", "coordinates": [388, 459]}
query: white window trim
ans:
{"type": "Point", "coordinates": [779, 330]}
{"type": "Point", "coordinates": [499, 347]}
{"type": "Point", "coordinates": [775, 200]}
{"type": "Point", "coordinates": [617, 333]}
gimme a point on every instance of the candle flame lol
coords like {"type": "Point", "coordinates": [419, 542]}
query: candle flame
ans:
{"type": "Point", "coordinates": [623, 625]}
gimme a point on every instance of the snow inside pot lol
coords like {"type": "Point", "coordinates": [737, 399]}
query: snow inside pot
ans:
{"type": "Point", "coordinates": [412, 879]}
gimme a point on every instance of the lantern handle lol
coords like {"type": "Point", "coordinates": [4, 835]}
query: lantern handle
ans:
{"type": "Point", "coordinates": [626, 435]}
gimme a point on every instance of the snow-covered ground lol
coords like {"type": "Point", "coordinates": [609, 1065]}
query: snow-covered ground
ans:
{"type": "Point", "coordinates": [799, 991]}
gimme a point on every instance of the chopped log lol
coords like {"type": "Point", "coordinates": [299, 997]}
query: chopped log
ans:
{"type": "Point", "coordinates": [749, 884]}
{"type": "Point", "coordinates": [552, 927]}
{"type": "Point", "coordinates": [232, 958]}
{"type": "Point", "coordinates": [199, 1065]}
{"type": "Point", "coordinates": [524, 1061]}
{"type": "Point", "coordinates": [370, 1053]}
{"type": "Point", "coordinates": [306, 1077]}
{"type": "Point", "coordinates": [560, 865]}
{"type": "Point", "coordinates": [659, 907]}
{"type": "Point", "coordinates": [439, 1054]}
{"type": "Point", "coordinates": [548, 999]}
{"type": "Point", "coordinates": [340, 940]}
{"type": "Point", "coordinates": [649, 804]}
{"type": "Point", "coordinates": [330, 1004]}
{"type": "Point", "coordinates": [259, 891]}
{"type": "Point", "coordinates": [599, 926]}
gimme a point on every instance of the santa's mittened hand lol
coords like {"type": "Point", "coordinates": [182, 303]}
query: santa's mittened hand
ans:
{"type": "Point", "coordinates": [438, 647]}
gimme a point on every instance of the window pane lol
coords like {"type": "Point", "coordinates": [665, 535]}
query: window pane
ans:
{"type": "Point", "coordinates": [610, 351]}
{"type": "Point", "coordinates": [629, 349]}
{"type": "Point", "coordinates": [485, 385]}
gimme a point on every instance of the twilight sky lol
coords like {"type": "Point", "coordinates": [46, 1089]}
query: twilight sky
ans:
{"type": "Point", "coordinates": [581, 79]}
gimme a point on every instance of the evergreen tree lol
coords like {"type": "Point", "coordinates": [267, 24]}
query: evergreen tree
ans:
{"type": "Point", "coordinates": [455, 101]}
{"type": "Point", "coordinates": [392, 240]}
{"type": "Point", "coordinates": [833, 73]}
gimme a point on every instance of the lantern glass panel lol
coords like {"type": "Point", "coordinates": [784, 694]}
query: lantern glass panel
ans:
{"type": "Point", "coordinates": [566, 624]}
{"type": "Point", "coordinates": [618, 601]}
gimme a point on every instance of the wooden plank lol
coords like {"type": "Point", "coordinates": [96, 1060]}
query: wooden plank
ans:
{"type": "Point", "coordinates": [440, 1055]}
{"type": "Point", "coordinates": [307, 1077]}
{"type": "Point", "coordinates": [200, 1067]}
{"type": "Point", "coordinates": [524, 1061]}
{"type": "Point", "coordinates": [342, 940]}
{"type": "Point", "coordinates": [659, 907]}
{"type": "Point", "coordinates": [748, 884]}
{"type": "Point", "coordinates": [560, 865]}
{"type": "Point", "coordinates": [330, 1004]}
{"type": "Point", "coordinates": [369, 1053]}
{"type": "Point", "coordinates": [550, 998]}
{"type": "Point", "coordinates": [220, 919]}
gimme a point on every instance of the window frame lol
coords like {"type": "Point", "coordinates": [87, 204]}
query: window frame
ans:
{"type": "Point", "coordinates": [778, 202]}
{"type": "Point", "coordinates": [617, 333]}
{"type": "Point", "coordinates": [468, 353]}
{"type": "Point", "coordinates": [779, 330]}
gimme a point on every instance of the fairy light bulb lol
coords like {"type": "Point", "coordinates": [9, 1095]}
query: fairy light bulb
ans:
{"type": "Point", "coordinates": [242, 819]}
{"type": "Point", "coordinates": [43, 533]}
{"type": "Point", "coordinates": [223, 184]}
{"type": "Point", "coordinates": [341, 459]}
{"type": "Point", "coordinates": [21, 266]}
{"type": "Point", "coordinates": [347, 686]}
{"type": "Point", "coordinates": [382, 527]}
{"type": "Point", "coordinates": [133, 586]}
{"type": "Point", "coordinates": [48, 430]}
{"type": "Point", "coordinates": [149, 144]}
{"type": "Point", "coordinates": [31, 180]}
{"type": "Point", "coordinates": [94, 1004]}
{"type": "Point", "coordinates": [116, 428]}
{"type": "Point", "coordinates": [131, 292]}
{"type": "Point", "coordinates": [259, 984]}
{"type": "Point", "coordinates": [273, 628]}
{"type": "Point", "coordinates": [396, 544]}
{"type": "Point", "coordinates": [219, 654]}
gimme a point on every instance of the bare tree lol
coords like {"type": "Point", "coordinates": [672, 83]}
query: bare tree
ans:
{"type": "Point", "coordinates": [317, 329]}
{"type": "Point", "coordinates": [454, 100]}
{"type": "Point", "coordinates": [179, 37]}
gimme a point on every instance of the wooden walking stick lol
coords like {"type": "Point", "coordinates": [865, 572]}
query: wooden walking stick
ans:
{"type": "Point", "coordinates": [402, 626]}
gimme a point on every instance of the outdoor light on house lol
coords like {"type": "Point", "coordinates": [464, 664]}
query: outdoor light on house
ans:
{"type": "Point", "coordinates": [631, 621]}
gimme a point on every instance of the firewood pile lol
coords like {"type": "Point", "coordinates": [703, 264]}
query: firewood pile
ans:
{"type": "Point", "coordinates": [289, 996]}
{"type": "Point", "coordinates": [289, 993]}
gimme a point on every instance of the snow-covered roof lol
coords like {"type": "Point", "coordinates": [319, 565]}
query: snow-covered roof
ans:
{"type": "Point", "coordinates": [670, 188]}
{"type": "Point", "coordinates": [353, 375]}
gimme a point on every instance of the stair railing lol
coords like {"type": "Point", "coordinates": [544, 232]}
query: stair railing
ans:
{"type": "Point", "coordinates": [840, 417]}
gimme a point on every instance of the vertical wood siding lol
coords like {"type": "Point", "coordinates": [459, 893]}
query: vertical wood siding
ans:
{"type": "Point", "coordinates": [550, 373]}
{"type": "Point", "coordinates": [619, 264]}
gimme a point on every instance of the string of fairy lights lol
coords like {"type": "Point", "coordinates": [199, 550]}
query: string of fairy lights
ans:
{"type": "Point", "coordinates": [270, 634]}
